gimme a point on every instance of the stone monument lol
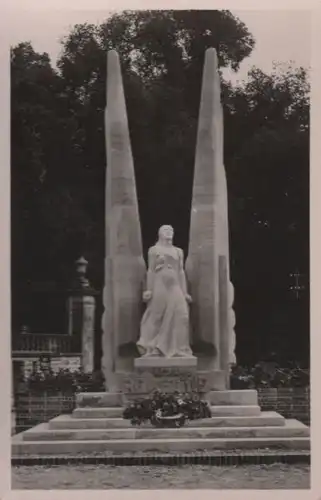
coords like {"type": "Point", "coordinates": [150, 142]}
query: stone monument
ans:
{"type": "Point", "coordinates": [124, 265]}
{"type": "Point", "coordinates": [170, 338]}
{"type": "Point", "coordinates": [144, 351]}
{"type": "Point", "coordinates": [209, 234]}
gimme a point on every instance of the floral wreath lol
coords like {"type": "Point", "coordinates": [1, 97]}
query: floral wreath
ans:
{"type": "Point", "coordinates": [167, 410]}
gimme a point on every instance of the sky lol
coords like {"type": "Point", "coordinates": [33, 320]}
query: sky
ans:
{"type": "Point", "coordinates": [281, 35]}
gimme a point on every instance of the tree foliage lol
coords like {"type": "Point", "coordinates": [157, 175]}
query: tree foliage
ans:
{"type": "Point", "coordinates": [58, 156]}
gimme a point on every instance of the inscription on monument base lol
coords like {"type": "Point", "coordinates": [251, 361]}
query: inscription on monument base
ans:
{"type": "Point", "coordinates": [134, 385]}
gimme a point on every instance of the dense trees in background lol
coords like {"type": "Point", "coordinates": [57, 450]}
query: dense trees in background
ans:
{"type": "Point", "coordinates": [58, 160]}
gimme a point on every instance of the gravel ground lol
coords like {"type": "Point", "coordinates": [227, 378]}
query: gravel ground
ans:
{"type": "Point", "coordinates": [276, 476]}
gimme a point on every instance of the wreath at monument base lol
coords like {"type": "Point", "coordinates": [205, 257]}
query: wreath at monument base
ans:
{"type": "Point", "coordinates": [167, 410]}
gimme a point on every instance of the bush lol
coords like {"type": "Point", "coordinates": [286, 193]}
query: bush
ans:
{"type": "Point", "coordinates": [64, 381]}
{"type": "Point", "coordinates": [262, 375]}
{"type": "Point", "coordinates": [268, 375]}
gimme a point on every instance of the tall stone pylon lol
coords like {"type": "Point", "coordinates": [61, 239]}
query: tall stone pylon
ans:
{"type": "Point", "coordinates": [209, 234]}
{"type": "Point", "coordinates": [124, 264]}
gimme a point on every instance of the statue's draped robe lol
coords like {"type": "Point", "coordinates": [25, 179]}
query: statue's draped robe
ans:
{"type": "Point", "coordinates": [165, 324]}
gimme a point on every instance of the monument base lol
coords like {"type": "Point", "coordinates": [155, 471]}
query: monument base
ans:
{"type": "Point", "coordinates": [183, 379]}
{"type": "Point", "coordinates": [96, 426]}
{"type": "Point", "coordinates": [162, 362]}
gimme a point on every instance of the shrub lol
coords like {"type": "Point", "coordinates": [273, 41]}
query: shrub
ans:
{"type": "Point", "coordinates": [268, 375]}
{"type": "Point", "coordinates": [262, 375]}
{"type": "Point", "coordinates": [64, 381]}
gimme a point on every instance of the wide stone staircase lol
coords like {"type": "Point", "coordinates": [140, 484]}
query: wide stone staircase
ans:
{"type": "Point", "coordinates": [96, 426]}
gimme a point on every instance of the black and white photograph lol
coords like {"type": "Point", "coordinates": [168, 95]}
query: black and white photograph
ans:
{"type": "Point", "coordinates": [160, 249]}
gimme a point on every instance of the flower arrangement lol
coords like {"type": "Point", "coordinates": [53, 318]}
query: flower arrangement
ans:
{"type": "Point", "coordinates": [167, 410]}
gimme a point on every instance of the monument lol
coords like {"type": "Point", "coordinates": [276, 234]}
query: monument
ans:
{"type": "Point", "coordinates": [177, 328]}
{"type": "Point", "coordinates": [124, 264]}
{"type": "Point", "coordinates": [183, 330]}
{"type": "Point", "coordinates": [184, 339]}
{"type": "Point", "coordinates": [209, 234]}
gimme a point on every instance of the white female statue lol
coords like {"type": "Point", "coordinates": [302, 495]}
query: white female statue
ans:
{"type": "Point", "coordinates": [165, 323]}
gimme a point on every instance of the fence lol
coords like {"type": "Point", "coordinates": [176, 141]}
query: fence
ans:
{"type": "Point", "coordinates": [289, 402]}
{"type": "Point", "coordinates": [30, 410]}
{"type": "Point", "coordinates": [46, 343]}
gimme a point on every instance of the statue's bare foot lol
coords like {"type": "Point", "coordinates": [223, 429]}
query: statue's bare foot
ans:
{"type": "Point", "coordinates": [151, 353]}
{"type": "Point", "coordinates": [184, 355]}
{"type": "Point", "coordinates": [155, 353]}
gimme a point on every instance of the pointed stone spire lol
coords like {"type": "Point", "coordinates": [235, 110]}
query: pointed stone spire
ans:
{"type": "Point", "coordinates": [209, 233]}
{"type": "Point", "coordinates": [124, 264]}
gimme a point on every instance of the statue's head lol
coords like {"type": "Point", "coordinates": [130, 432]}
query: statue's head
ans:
{"type": "Point", "coordinates": [166, 234]}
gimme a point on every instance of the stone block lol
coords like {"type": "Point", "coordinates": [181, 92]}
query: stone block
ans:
{"type": "Point", "coordinates": [115, 412]}
{"type": "Point", "coordinates": [236, 397]}
{"type": "Point", "coordinates": [264, 419]}
{"type": "Point", "coordinates": [181, 379]}
{"type": "Point", "coordinates": [23, 448]}
{"type": "Point", "coordinates": [42, 432]}
{"type": "Point", "coordinates": [98, 399]}
{"type": "Point", "coordinates": [162, 362]}
{"type": "Point", "coordinates": [221, 411]}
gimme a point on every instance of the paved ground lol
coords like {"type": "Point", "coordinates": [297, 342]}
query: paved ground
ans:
{"type": "Point", "coordinates": [276, 476]}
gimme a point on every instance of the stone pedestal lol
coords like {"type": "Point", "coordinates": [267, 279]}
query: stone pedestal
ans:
{"type": "Point", "coordinates": [162, 362]}
{"type": "Point", "coordinates": [168, 375]}
{"type": "Point", "coordinates": [96, 426]}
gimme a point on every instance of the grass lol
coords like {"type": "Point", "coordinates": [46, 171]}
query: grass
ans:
{"type": "Point", "coordinates": [275, 476]}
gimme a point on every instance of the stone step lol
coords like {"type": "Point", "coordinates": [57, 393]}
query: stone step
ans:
{"type": "Point", "coordinates": [264, 419]}
{"type": "Point", "coordinates": [23, 448]}
{"type": "Point", "coordinates": [42, 432]}
{"type": "Point", "coordinates": [233, 397]}
{"type": "Point", "coordinates": [108, 399]}
{"type": "Point", "coordinates": [226, 411]}
{"type": "Point", "coordinates": [98, 399]}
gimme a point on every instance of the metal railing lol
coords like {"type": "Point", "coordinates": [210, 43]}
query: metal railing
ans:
{"type": "Point", "coordinates": [46, 343]}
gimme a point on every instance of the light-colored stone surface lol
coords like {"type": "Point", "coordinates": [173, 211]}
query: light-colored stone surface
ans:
{"type": "Point", "coordinates": [223, 280]}
{"type": "Point", "coordinates": [225, 411]}
{"type": "Point", "coordinates": [20, 447]}
{"type": "Point", "coordinates": [167, 334]}
{"type": "Point", "coordinates": [98, 399]}
{"type": "Point", "coordinates": [209, 218]}
{"type": "Point", "coordinates": [162, 362]}
{"type": "Point", "coordinates": [264, 419]}
{"type": "Point", "coordinates": [112, 412]}
{"type": "Point", "coordinates": [42, 432]}
{"type": "Point", "coordinates": [234, 397]}
{"type": "Point", "coordinates": [169, 379]}
{"type": "Point", "coordinates": [124, 265]}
